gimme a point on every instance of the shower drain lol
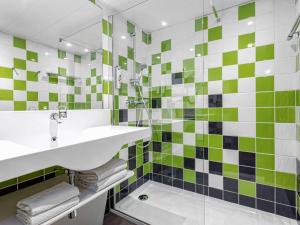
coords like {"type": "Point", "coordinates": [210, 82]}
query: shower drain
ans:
{"type": "Point", "coordinates": [143, 197]}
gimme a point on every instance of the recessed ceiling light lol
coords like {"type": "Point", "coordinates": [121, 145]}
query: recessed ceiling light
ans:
{"type": "Point", "coordinates": [86, 50]}
{"type": "Point", "coordinates": [164, 23]}
{"type": "Point", "coordinates": [123, 37]}
{"type": "Point", "coordinates": [46, 53]}
{"type": "Point", "coordinates": [68, 44]}
{"type": "Point", "coordinates": [250, 23]}
{"type": "Point", "coordinates": [191, 49]}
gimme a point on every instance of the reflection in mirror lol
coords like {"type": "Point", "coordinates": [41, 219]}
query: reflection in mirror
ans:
{"type": "Point", "coordinates": [50, 55]}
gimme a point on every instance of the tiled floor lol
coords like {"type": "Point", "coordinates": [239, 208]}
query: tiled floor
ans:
{"type": "Point", "coordinates": [112, 219]}
{"type": "Point", "coordinates": [168, 205]}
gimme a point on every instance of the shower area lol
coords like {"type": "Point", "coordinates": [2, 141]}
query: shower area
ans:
{"type": "Point", "coordinates": [218, 82]}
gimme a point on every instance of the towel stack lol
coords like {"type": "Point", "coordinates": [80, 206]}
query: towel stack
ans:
{"type": "Point", "coordinates": [97, 179]}
{"type": "Point", "coordinates": [47, 204]}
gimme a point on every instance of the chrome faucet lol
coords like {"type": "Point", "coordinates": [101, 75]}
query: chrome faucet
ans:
{"type": "Point", "coordinates": [58, 116]}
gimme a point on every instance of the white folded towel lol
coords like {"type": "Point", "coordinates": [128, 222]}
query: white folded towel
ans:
{"type": "Point", "coordinates": [104, 171]}
{"type": "Point", "coordinates": [95, 187]}
{"type": "Point", "coordinates": [48, 199]}
{"type": "Point", "coordinates": [26, 219]}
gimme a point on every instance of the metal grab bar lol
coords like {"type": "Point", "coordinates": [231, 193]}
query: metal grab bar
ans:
{"type": "Point", "coordinates": [294, 29]}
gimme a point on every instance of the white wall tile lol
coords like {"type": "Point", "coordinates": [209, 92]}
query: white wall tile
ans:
{"type": "Point", "coordinates": [285, 131]}
{"type": "Point", "coordinates": [230, 156]}
{"type": "Point", "coordinates": [215, 181]}
{"type": "Point", "coordinates": [285, 147]}
{"type": "Point", "coordinates": [177, 149]}
{"type": "Point", "coordinates": [285, 164]}
{"type": "Point", "coordinates": [230, 72]}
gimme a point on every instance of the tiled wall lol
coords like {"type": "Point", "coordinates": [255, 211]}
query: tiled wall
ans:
{"type": "Point", "coordinates": [298, 124]}
{"type": "Point", "coordinates": [231, 90]}
{"type": "Point", "coordinates": [24, 88]}
{"type": "Point", "coordinates": [137, 154]}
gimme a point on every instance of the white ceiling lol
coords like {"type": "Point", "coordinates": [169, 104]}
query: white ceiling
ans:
{"type": "Point", "coordinates": [46, 21]}
{"type": "Point", "coordinates": [148, 14]}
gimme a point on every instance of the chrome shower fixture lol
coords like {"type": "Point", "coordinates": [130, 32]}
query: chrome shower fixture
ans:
{"type": "Point", "coordinates": [135, 82]}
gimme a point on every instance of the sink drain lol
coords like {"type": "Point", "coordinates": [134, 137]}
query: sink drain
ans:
{"type": "Point", "coordinates": [143, 197]}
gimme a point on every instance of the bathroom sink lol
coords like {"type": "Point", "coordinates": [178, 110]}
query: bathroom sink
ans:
{"type": "Point", "coordinates": [81, 149]}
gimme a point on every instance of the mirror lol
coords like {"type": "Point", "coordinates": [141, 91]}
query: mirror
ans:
{"type": "Point", "coordinates": [51, 55]}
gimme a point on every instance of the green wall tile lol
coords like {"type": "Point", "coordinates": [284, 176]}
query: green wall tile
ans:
{"type": "Point", "coordinates": [215, 114]}
{"type": "Point", "coordinates": [247, 144]}
{"type": "Point", "coordinates": [130, 53]}
{"type": "Point", "coordinates": [189, 101]}
{"type": "Point", "coordinates": [156, 59]}
{"type": "Point", "coordinates": [130, 27]}
{"type": "Point", "coordinates": [265, 145]}
{"type": "Point", "coordinates": [230, 58]}
{"type": "Point", "coordinates": [215, 33]}
{"type": "Point", "coordinates": [166, 68]}
{"type": "Point", "coordinates": [61, 54]}
{"type": "Point", "coordinates": [201, 114]}
{"type": "Point", "coordinates": [32, 96]}
{"type": "Point", "coordinates": [19, 43]}
{"type": "Point", "coordinates": [230, 114]}
{"type": "Point", "coordinates": [265, 83]}
{"type": "Point", "coordinates": [215, 141]}
{"type": "Point", "coordinates": [20, 85]}
{"type": "Point", "coordinates": [265, 52]}
{"type": "Point", "coordinates": [123, 62]}
{"type": "Point", "coordinates": [215, 73]}
{"type": "Point", "coordinates": [20, 106]}
{"type": "Point", "coordinates": [189, 151]}
{"type": "Point", "coordinates": [247, 188]}
{"type": "Point", "coordinates": [20, 64]}
{"type": "Point", "coordinates": [189, 176]}
{"type": "Point", "coordinates": [246, 40]}
{"type": "Point", "coordinates": [285, 98]}
{"type": "Point", "coordinates": [177, 161]}
{"type": "Point", "coordinates": [6, 72]}
{"type": "Point", "coordinates": [264, 161]}
{"type": "Point", "coordinates": [230, 170]}
{"type": "Point", "coordinates": [201, 88]}
{"type": "Point", "coordinates": [230, 86]}
{"type": "Point", "coordinates": [201, 50]}
{"type": "Point", "coordinates": [286, 180]}
{"type": "Point", "coordinates": [265, 130]}
{"type": "Point", "coordinates": [246, 70]}
{"type": "Point", "coordinates": [266, 177]}
{"type": "Point", "coordinates": [177, 137]}
{"type": "Point", "coordinates": [189, 76]}
{"type": "Point", "coordinates": [265, 114]}
{"type": "Point", "coordinates": [201, 24]}
{"type": "Point", "coordinates": [32, 56]}
{"type": "Point", "coordinates": [265, 99]}
{"type": "Point", "coordinates": [189, 126]}
{"type": "Point", "coordinates": [53, 97]}
{"type": "Point", "coordinates": [285, 115]}
{"type": "Point", "coordinates": [215, 154]}
{"type": "Point", "coordinates": [166, 45]}
{"type": "Point", "coordinates": [246, 11]}
{"type": "Point", "coordinates": [189, 64]}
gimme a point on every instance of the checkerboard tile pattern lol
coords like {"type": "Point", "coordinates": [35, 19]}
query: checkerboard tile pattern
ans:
{"type": "Point", "coordinates": [25, 88]}
{"type": "Point", "coordinates": [25, 85]}
{"type": "Point", "coordinates": [224, 108]}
